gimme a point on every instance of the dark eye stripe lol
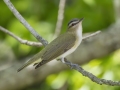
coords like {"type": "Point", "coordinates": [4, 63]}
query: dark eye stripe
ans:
{"type": "Point", "coordinates": [73, 23]}
{"type": "Point", "coordinates": [73, 20]}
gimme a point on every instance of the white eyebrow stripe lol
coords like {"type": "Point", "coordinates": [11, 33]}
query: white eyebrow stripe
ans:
{"type": "Point", "coordinates": [74, 22]}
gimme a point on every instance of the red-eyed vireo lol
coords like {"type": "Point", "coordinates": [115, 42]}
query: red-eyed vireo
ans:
{"type": "Point", "coordinates": [60, 47]}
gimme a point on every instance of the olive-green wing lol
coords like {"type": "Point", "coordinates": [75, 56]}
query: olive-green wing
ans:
{"type": "Point", "coordinates": [56, 48]}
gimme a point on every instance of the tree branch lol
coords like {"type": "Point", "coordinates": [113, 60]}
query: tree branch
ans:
{"type": "Point", "coordinates": [59, 18]}
{"type": "Point", "coordinates": [24, 22]}
{"type": "Point", "coordinates": [90, 35]}
{"type": "Point", "coordinates": [19, 39]}
{"type": "Point", "coordinates": [90, 75]}
{"type": "Point", "coordinates": [26, 42]}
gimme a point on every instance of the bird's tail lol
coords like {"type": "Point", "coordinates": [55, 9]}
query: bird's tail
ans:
{"type": "Point", "coordinates": [32, 60]}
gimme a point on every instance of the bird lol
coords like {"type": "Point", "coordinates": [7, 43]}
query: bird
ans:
{"type": "Point", "coordinates": [60, 47]}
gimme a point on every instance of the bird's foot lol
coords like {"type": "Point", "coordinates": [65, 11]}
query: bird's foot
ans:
{"type": "Point", "coordinates": [63, 60]}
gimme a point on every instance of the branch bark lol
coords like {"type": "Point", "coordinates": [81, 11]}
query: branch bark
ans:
{"type": "Point", "coordinates": [59, 18]}
{"type": "Point", "coordinates": [90, 35]}
{"type": "Point", "coordinates": [24, 22]}
{"type": "Point", "coordinates": [105, 43]}
{"type": "Point", "coordinates": [26, 42]}
{"type": "Point", "coordinates": [90, 75]}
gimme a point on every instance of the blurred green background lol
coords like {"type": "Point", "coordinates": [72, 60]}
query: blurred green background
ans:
{"type": "Point", "coordinates": [42, 16]}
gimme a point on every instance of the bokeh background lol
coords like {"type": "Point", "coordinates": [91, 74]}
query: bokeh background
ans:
{"type": "Point", "coordinates": [42, 16]}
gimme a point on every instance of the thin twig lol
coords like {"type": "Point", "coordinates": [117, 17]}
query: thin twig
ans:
{"type": "Point", "coordinates": [24, 22]}
{"type": "Point", "coordinates": [91, 76]}
{"type": "Point", "coordinates": [93, 34]}
{"type": "Point", "coordinates": [19, 39]}
{"type": "Point", "coordinates": [59, 18]}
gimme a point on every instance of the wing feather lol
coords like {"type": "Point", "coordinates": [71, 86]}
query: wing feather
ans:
{"type": "Point", "coordinates": [58, 48]}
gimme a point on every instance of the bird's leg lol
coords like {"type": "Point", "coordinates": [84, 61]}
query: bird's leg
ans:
{"type": "Point", "coordinates": [62, 60]}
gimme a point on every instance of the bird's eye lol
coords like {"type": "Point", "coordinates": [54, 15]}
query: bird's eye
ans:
{"type": "Point", "coordinates": [72, 24]}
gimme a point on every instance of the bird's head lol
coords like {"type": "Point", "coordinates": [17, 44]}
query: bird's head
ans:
{"type": "Point", "coordinates": [75, 23]}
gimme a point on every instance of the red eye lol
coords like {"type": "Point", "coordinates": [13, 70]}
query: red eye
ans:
{"type": "Point", "coordinates": [72, 24]}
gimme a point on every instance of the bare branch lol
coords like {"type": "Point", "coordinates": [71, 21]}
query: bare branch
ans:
{"type": "Point", "coordinates": [59, 18]}
{"type": "Point", "coordinates": [19, 39]}
{"type": "Point", "coordinates": [24, 22]}
{"type": "Point", "coordinates": [93, 34]}
{"type": "Point", "coordinates": [91, 76]}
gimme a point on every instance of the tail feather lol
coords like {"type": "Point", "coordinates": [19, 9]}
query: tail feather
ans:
{"type": "Point", "coordinates": [33, 60]}
{"type": "Point", "coordinates": [25, 65]}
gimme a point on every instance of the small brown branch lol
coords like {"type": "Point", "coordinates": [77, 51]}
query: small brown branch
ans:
{"type": "Point", "coordinates": [93, 34]}
{"type": "Point", "coordinates": [19, 39]}
{"type": "Point", "coordinates": [91, 76]}
{"type": "Point", "coordinates": [59, 18]}
{"type": "Point", "coordinates": [24, 22]}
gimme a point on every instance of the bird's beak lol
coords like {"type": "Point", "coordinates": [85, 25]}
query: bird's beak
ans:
{"type": "Point", "coordinates": [81, 19]}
